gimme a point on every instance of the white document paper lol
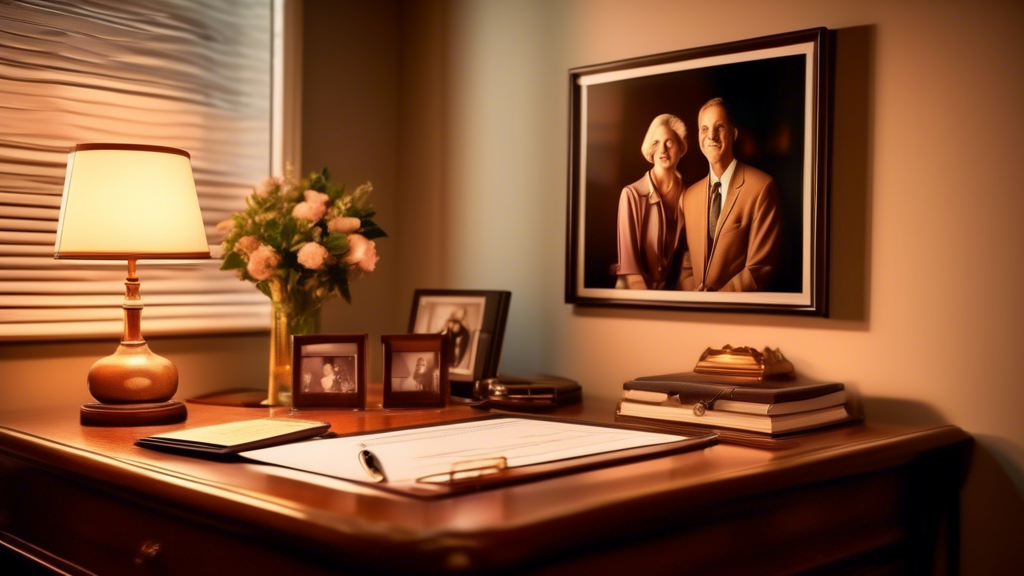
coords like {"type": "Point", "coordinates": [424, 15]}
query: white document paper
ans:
{"type": "Point", "coordinates": [409, 455]}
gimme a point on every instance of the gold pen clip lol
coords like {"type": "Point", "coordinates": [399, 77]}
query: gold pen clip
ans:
{"type": "Point", "coordinates": [469, 470]}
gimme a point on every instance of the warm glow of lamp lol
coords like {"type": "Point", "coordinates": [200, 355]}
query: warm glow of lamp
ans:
{"type": "Point", "coordinates": [128, 202]}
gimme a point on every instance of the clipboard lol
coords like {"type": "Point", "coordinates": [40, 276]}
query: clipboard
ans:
{"type": "Point", "coordinates": [489, 473]}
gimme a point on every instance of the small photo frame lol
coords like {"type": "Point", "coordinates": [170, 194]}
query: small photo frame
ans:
{"type": "Point", "coordinates": [329, 371]}
{"type": "Point", "coordinates": [472, 323]}
{"type": "Point", "coordinates": [415, 371]}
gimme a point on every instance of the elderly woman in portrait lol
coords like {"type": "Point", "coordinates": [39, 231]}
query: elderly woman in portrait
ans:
{"type": "Point", "coordinates": [328, 381]}
{"type": "Point", "coordinates": [649, 221]}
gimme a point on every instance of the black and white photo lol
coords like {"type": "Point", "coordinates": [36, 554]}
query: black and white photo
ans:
{"type": "Point", "coordinates": [415, 370]}
{"type": "Point", "coordinates": [329, 370]}
{"type": "Point", "coordinates": [472, 323]}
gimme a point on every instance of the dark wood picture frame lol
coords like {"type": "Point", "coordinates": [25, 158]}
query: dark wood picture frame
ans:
{"type": "Point", "coordinates": [404, 347]}
{"type": "Point", "coordinates": [779, 92]}
{"type": "Point", "coordinates": [486, 318]}
{"type": "Point", "coordinates": [309, 354]}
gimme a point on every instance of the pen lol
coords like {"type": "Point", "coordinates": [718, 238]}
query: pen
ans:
{"type": "Point", "coordinates": [372, 466]}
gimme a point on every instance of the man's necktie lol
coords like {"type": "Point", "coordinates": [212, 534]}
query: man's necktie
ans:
{"type": "Point", "coordinates": [714, 211]}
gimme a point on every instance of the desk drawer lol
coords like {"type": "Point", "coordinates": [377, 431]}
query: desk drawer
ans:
{"type": "Point", "coordinates": [116, 532]}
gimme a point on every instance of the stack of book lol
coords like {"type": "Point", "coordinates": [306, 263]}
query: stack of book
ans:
{"type": "Point", "coordinates": [766, 407]}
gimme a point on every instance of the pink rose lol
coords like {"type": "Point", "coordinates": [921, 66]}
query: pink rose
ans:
{"type": "Point", "coordinates": [307, 211]}
{"type": "Point", "coordinates": [343, 225]}
{"type": "Point", "coordinates": [312, 255]}
{"type": "Point", "coordinates": [247, 245]}
{"type": "Point", "coordinates": [314, 197]}
{"type": "Point", "coordinates": [313, 208]}
{"type": "Point", "coordinates": [262, 262]}
{"type": "Point", "coordinates": [362, 252]}
{"type": "Point", "coordinates": [266, 185]}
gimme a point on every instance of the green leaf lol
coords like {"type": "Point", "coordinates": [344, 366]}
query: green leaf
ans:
{"type": "Point", "coordinates": [343, 289]}
{"type": "Point", "coordinates": [336, 243]}
{"type": "Point", "coordinates": [335, 192]}
{"type": "Point", "coordinates": [293, 280]}
{"type": "Point", "coordinates": [288, 230]}
{"type": "Point", "coordinates": [338, 276]}
{"type": "Point", "coordinates": [232, 261]}
{"type": "Point", "coordinates": [374, 232]}
{"type": "Point", "coordinates": [361, 212]}
{"type": "Point", "coordinates": [264, 287]}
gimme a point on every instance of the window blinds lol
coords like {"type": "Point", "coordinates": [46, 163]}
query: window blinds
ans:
{"type": "Point", "coordinates": [187, 74]}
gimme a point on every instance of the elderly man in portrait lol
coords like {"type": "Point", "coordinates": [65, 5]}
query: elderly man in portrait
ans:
{"type": "Point", "coordinates": [732, 217]}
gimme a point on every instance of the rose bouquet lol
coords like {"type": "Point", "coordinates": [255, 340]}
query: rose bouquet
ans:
{"type": "Point", "coordinates": [302, 243]}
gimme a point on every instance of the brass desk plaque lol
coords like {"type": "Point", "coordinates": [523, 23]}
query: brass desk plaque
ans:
{"type": "Point", "coordinates": [745, 362]}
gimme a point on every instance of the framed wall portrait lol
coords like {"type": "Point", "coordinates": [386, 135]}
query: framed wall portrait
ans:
{"type": "Point", "coordinates": [472, 323]}
{"type": "Point", "coordinates": [415, 371]}
{"type": "Point", "coordinates": [699, 179]}
{"type": "Point", "coordinates": [329, 370]}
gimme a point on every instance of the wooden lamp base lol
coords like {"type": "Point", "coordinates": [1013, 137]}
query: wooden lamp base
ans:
{"type": "Point", "coordinates": [145, 414]}
{"type": "Point", "coordinates": [134, 386]}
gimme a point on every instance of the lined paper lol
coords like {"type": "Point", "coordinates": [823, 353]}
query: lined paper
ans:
{"type": "Point", "coordinates": [409, 455]}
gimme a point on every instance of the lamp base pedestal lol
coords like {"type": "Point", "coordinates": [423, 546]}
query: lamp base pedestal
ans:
{"type": "Point", "coordinates": [144, 414]}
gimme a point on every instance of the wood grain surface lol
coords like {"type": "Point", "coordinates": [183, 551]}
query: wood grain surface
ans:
{"type": "Point", "coordinates": [636, 505]}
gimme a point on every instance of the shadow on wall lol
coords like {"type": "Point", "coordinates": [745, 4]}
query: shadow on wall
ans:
{"type": "Point", "coordinates": [898, 411]}
{"type": "Point", "coordinates": [992, 509]}
{"type": "Point", "coordinates": [851, 174]}
{"type": "Point", "coordinates": [992, 504]}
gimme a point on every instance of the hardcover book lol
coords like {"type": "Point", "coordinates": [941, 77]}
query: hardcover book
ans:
{"type": "Point", "coordinates": [691, 388]}
{"type": "Point", "coordinates": [765, 424]}
{"type": "Point", "coordinates": [766, 407]}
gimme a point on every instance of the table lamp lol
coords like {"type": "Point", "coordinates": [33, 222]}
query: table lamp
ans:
{"type": "Point", "coordinates": [127, 202]}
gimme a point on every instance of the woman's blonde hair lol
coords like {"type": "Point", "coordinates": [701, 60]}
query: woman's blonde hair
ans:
{"type": "Point", "coordinates": [674, 124]}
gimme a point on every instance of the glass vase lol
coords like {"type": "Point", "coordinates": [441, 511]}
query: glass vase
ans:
{"type": "Point", "coordinates": [286, 320]}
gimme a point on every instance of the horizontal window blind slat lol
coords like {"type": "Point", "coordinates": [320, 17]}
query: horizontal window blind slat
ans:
{"type": "Point", "coordinates": [21, 315]}
{"type": "Point", "coordinates": [113, 329]}
{"type": "Point", "coordinates": [47, 238]}
{"type": "Point", "coordinates": [115, 273]}
{"type": "Point", "coordinates": [40, 200]}
{"type": "Point", "coordinates": [12, 224]}
{"type": "Point", "coordinates": [71, 301]}
{"type": "Point", "coordinates": [145, 266]}
{"type": "Point", "coordinates": [226, 284]}
{"type": "Point", "coordinates": [26, 250]}
{"type": "Point", "coordinates": [23, 213]}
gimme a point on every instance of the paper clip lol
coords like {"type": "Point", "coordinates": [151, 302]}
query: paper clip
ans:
{"type": "Point", "coordinates": [469, 470]}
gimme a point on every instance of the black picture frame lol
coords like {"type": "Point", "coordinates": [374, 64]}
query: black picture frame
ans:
{"type": "Point", "coordinates": [484, 312]}
{"type": "Point", "coordinates": [402, 355]}
{"type": "Point", "coordinates": [779, 93]}
{"type": "Point", "coordinates": [311, 356]}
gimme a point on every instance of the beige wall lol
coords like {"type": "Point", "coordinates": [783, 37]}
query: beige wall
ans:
{"type": "Point", "coordinates": [350, 125]}
{"type": "Point", "coordinates": [459, 110]}
{"type": "Point", "coordinates": [926, 323]}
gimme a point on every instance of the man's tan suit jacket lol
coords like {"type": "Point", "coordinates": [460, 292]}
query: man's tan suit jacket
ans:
{"type": "Point", "coordinates": [745, 252]}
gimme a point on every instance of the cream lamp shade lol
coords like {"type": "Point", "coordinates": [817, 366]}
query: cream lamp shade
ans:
{"type": "Point", "coordinates": [127, 201]}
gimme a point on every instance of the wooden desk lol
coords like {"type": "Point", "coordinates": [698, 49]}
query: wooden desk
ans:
{"type": "Point", "coordinates": [850, 498]}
